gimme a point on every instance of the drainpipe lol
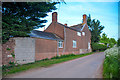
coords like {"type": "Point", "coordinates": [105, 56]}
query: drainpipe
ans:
{"type": "Point", "coordinates": [64, 40]}
{"type": "Point", "coordinates": [57, 49]}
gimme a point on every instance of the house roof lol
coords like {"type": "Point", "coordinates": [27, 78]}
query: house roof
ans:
{"type": "Point", "coordinates": [44, 35]}
{"type": "Point", "coordinates": [77, 27]}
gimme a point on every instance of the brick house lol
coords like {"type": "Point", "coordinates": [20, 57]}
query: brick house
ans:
{"type": "Point", "coordinates": [60, 39]}
{"type": "Point", "coordinates": [57, 39]}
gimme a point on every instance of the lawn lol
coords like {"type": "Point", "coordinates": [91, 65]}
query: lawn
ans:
{"type": "Point", "coordinates": [42, 63]}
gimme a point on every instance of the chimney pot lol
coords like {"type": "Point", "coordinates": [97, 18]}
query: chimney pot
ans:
{"type": "Point", "coordinates": [65, 24]}
{"type": "Point", "coordinates": [84, 18]}
{"type": "Point", "coordinates": [54, 17]}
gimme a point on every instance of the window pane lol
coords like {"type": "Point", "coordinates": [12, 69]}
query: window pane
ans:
{"type": "Point", "coordinates": [74, 44]}
{"type": "Point", "coordinates": [60, 44]}
{"type": "Point", "coordinates": [83, 33]}
{"type": "Point", "coordinates": [88, 45]}
{"type": "Point", "coordinates": [78, 33]}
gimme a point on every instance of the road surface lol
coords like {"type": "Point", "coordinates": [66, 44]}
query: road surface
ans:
{"type": "Point", "coordinates": [86, 67]}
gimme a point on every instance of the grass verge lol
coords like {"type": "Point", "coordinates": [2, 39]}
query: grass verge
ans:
{"type": "Point", "coordinates": [111, 63]}
{"type": "Point", "coordinates": [42, 63]}
{"type": "Point", "coordinates": [0, 72]}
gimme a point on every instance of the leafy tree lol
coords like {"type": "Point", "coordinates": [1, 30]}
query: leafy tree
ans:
{"type": "Point", "coordinates": [95, 28]}
{"type": "Point", "coordinates": [104, 39]}
{"type": "Point", "coordinates": [118, 42]}
{"type": "Point", "coordinates": [112, 42]}
{"type": "Point", "coordinates": [19, 18]}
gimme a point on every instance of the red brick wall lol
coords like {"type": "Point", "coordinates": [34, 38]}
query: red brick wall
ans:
{"type": "Point", "coordinates": [70, 36]}
{"type": "Point", "coordinates": [87, 37]}
{"type": "Point", "coordinates": [50, 28]}
{"type": "Point", "coordinates": [45, 48]}
{"type": "Point", "coordinates": [82, 41]}
{"type": "Point", "coordinates": [10, 44]}
{"type": "Point", "coordinates": [56, 28]}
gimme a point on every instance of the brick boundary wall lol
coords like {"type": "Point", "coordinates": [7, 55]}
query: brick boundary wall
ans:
{"type": "Point", "coordinates": [7, 50]}
{"type": "Point", "coordinates": [43, 49]}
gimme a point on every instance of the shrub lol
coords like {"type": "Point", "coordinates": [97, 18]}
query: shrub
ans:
{"type": "Point", "coordinates": [98, 47]}
{"type": "Point", "coordinates": [13, 55]}
{"type": "Point", "coordinates": [111, 63]}
{"type": "Point", "coordinates": [6, 68]}
{"type": "Point", "coordinates": [8, 49]}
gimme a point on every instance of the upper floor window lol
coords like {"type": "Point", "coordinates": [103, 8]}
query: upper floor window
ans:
{"type": "Point", "coordinates": [60, 44]}
{"type": "Point", "coordinates": [78, 33]}
{"type": "Point", "coordinates": [83, 33]}
{"type": "Point", "coordinates": [74, 44]}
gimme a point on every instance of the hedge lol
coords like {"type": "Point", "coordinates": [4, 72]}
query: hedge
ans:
{"type": "Point", "coordinates": [98, 47]}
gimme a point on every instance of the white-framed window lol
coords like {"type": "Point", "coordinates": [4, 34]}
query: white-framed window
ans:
{"type": "Point", "coordinates": [83, 33]}
{"type": "Point", "coordinates": [88, 45]}
{"type": "Point", "coordinates": [74, 44]}
{"type": "Point", "coordinates": [79, 33]}
{"type": "Point", "coordinates": [60, 44]}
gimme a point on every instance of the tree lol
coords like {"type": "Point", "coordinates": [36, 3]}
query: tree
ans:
{"type": "Point", "coordinates": [95, 28]}
{"type": "Point", "coordinates": [112, 40]}
{"type": "Point", "coordinates": [104, 39]}
{"type": "Point", "coordinates": [118, 42]}
{"type": "Point", "coordinates": [19, 18]}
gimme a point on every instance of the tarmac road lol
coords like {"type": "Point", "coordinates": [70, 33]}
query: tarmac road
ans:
{"type": "Point", "coordinates": [85, 67]}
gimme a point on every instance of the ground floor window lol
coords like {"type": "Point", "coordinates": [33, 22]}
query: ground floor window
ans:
{"type": "Point", "coordinates": [74, 44]}
{"type": "Point", "coordinates": [60, 44]}
{"type": "Point", "coordinates": [88, 45]}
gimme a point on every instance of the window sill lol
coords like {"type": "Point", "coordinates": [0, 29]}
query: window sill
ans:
{"type": "Point", "coordinates": [60, 47]}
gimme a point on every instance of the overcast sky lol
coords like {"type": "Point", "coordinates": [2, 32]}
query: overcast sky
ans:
{"type": "Point", "coordinates": [106, 12]}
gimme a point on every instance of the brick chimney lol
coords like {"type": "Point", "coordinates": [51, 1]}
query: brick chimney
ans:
{"type": "Point", "coordinates": [65, 24]}
{"type": "Point", "coordinates": [85, 18]}
{"type": "Point", "coordinates": [54, 17]}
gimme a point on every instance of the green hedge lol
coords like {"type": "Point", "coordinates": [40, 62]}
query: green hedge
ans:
{"type": "Point", "coordinates": [98, 47]}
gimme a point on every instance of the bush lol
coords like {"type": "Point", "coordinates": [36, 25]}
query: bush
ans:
{"type": "Point", "coordinates": [8, 49]}
{"type": "Point", "coordinates": [111, 63]}
{"type": "Point", "coordinates": [98, 47]}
